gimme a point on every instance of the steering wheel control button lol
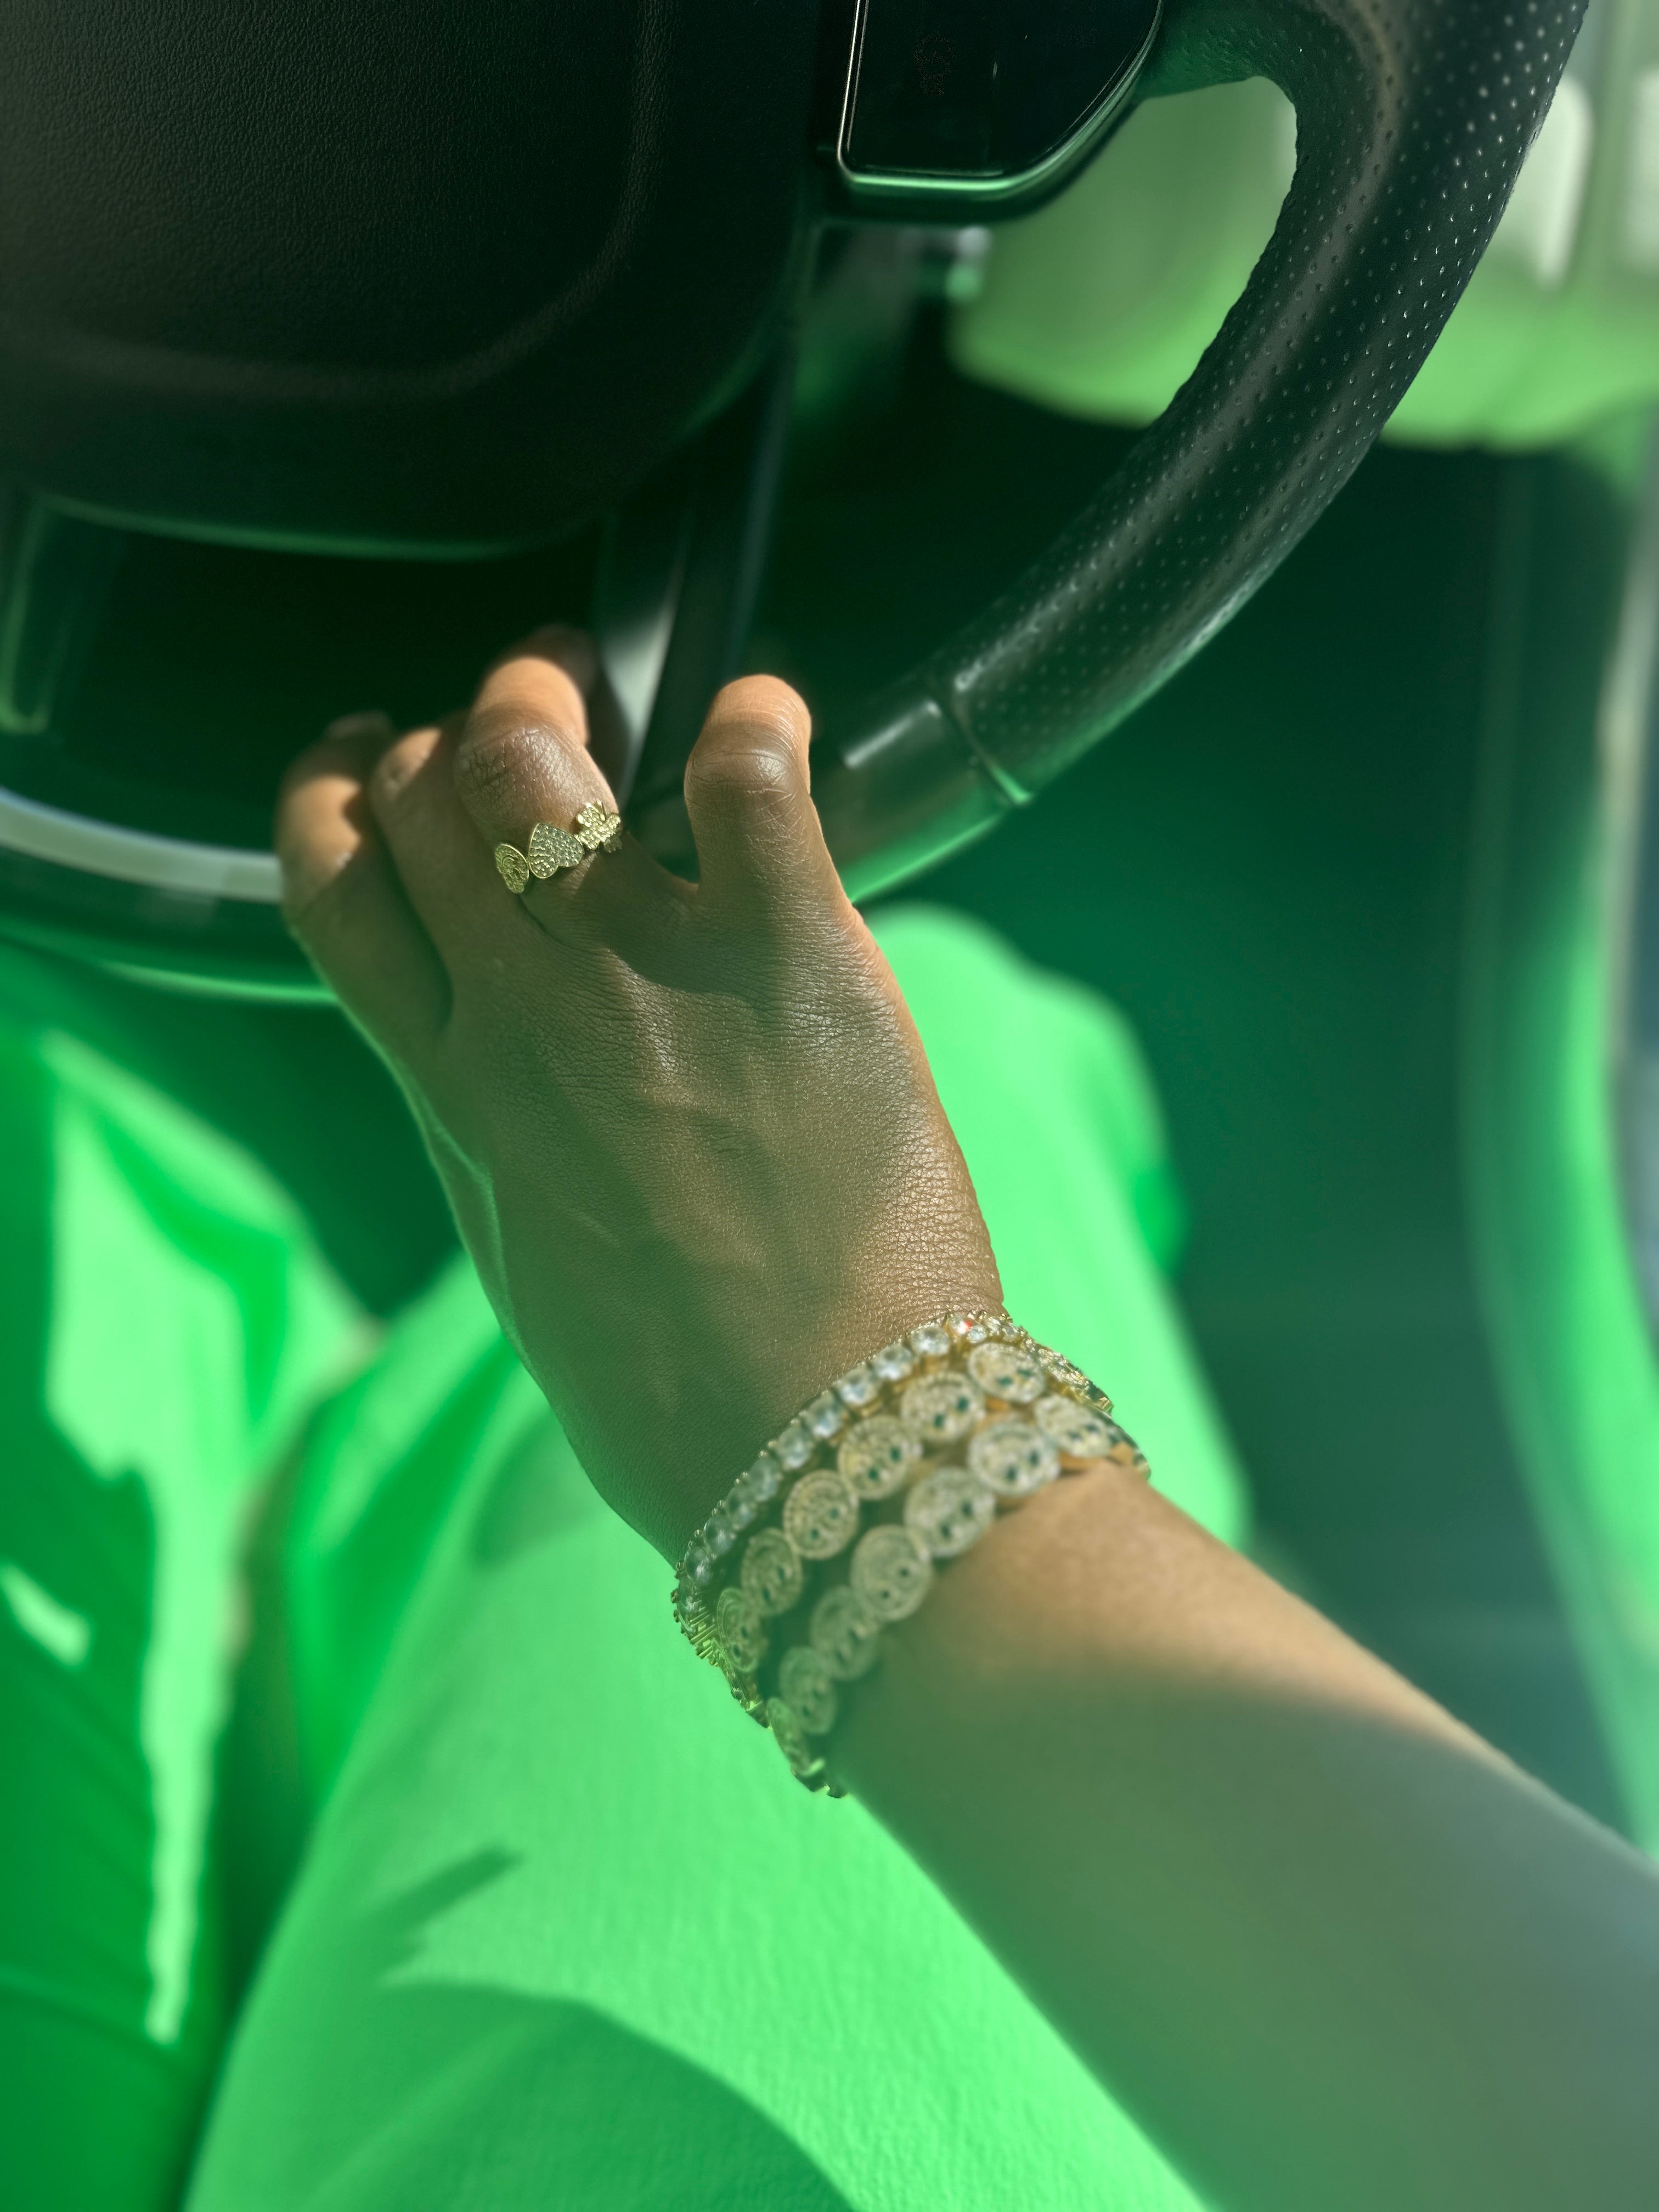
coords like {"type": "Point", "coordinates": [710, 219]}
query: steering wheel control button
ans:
{"type": "Point", "coordinates": [984, 101]}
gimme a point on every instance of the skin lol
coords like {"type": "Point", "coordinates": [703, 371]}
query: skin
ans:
{"type": "Point", "coordinates": [688, 1132]}
{"type": "Point", "coordinates": [1334, 1953]}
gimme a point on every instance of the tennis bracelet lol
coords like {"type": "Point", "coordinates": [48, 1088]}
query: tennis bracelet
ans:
{"type": "Point", "coordinates": [839, 1528]}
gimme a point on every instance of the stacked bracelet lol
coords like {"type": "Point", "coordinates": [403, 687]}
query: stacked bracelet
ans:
{"type": "Point", "coordinates": [838, 1528]}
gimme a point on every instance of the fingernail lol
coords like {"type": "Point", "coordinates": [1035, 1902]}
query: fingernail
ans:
{"type": "Point", "coordinates": [373, 723]}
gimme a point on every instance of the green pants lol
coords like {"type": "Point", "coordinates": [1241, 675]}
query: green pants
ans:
{"type": "Point", "coordinates": [565, 1934]}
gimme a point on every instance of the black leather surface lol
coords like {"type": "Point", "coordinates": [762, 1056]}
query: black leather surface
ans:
{"type": "Point", "coordinates": [396, 273]}
{"type": "Point", "coordinates": [1413, 118]}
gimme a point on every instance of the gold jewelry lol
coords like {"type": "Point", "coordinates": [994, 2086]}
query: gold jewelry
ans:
{"type": "Point", "coordinates": [597, 829]}
{"type": "Point", "coordinates": [934, 1436]}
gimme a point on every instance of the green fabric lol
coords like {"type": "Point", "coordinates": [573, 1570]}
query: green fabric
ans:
{"type": "Point", "coordinates": [526, 1962]}
{"type": "Point", "coordinates": [165, 1324]}
{"type": "Point", "coordinates": [1101, 303]}
{"type": "Point", "coordinates": [1046, 1089]}
{"type": "Point", "coordinates": [567, 1935]}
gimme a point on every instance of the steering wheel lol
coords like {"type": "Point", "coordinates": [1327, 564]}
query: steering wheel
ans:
{"type": "Point", "coordinates": [380, 278]}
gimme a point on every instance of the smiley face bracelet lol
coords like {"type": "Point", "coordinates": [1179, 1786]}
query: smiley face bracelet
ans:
{"type": "Point", "coordinates": [840, 1527]}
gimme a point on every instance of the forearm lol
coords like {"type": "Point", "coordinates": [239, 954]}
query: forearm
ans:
{"type": "Point", "coordinates": [1332, 1949]}
{"type": "Point", "coordinates": [1338, 1956]}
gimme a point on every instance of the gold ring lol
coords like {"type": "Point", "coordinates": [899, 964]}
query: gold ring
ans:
{"type": "Point", "coordinates": [597, 830]}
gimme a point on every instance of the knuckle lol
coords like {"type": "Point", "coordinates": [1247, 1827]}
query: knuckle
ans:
{"type": "Point", "coordinates": [754, 743]}
{"type": "Point", "coordinates": [749, 762]}
{"type": "Point", "coordinates": [502, 760]}
{"type": "Point", "coordinates": [487, 760]}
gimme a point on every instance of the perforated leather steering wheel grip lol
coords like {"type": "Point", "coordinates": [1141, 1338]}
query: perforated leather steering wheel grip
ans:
{"type": "Point", "coordinates": [1413, 118]}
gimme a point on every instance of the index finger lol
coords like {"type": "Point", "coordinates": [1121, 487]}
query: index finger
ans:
{"type": "Point", "coordinates": [342, 897]}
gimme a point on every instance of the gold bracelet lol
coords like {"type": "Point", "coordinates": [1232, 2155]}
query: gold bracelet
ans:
{"type": "Point", "coordinates": [933, 1435]}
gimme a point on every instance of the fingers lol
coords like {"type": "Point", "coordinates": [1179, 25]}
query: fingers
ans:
{"type": "Point", "coordinates": [342, 897]}
{"type": "Point", "coordinates": [388, 841]}
{"type": "Point", "coordinates": [523, 758]}
{"type": "Point", "coordinates": [447, 873]}
{"type": "Point", "coordinates": [760, 852]}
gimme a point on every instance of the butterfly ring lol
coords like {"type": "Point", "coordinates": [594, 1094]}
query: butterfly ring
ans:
{"type": "Point", "coordinates": [597, 829]}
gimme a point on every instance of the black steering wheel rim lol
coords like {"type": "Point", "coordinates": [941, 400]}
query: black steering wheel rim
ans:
{"type": "Point", "coordinates": [1413, 118]}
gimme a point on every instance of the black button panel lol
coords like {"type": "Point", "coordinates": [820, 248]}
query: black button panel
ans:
{"type": "Point", "coordinates": [985, 91]}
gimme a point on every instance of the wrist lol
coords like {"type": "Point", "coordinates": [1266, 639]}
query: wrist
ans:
{"type": "Point", "coordinates": [836, 1530]}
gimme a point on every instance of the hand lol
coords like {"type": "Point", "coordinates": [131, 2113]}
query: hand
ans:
{"type": "Point", "coordinates": [688, 1131]}
{"type": "Point", "coordinates": [692, 1143]}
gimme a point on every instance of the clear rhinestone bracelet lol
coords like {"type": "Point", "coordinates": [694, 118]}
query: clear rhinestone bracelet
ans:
{"type": "Point", "coordinates": [934, 1435]}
